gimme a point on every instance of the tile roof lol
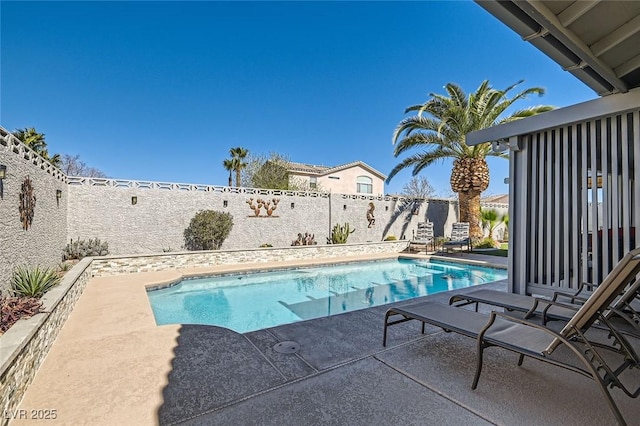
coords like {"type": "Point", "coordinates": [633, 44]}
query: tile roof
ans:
{"type": "Point", "coordinates": [324, 170]}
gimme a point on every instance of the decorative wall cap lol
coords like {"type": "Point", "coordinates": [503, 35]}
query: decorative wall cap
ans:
{"type": "Point", "coordinates": [138, 184]}
{"type": "Point", "coordinates": [144, 184]}
{"type": "Point", "coordinates": [9, 142]}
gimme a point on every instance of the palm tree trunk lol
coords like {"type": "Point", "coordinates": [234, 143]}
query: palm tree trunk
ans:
{"type": "Point", "coordinates": [230, 181]}
{"type": "Point", "coordinates": [469, 205]}
{"type": "Point", "coordinates": [237, 178]}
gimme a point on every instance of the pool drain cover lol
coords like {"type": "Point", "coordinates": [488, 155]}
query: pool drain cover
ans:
{"type": "Point", "coordinates": [288, 347]}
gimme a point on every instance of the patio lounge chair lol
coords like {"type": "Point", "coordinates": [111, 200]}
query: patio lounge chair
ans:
{"type": "Point", "coordinates": [536, 341]}
{"type": "Point", "coordinates": [424, 235]}
{"type": "Point", "coordinates": [459, 237]}
{"type": "Point", "coordinates": [623, 313]}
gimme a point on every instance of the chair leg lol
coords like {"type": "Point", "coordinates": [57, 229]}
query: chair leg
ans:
{"type": "Point", "coordinates": [520, 360]}
{"type": "Point", "coordinates": [481, 347]}
{"type": "Point", "coordinates": [384, 335]}
{"type": "Point", "coordinates": [611, 402]}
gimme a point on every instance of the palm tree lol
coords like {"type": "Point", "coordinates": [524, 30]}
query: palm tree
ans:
{"type": "Point", "coordinates": [237, 155]}
{"type": "Point", "coordinates": [229, 165]}
{"type": "Point", "coordinates": [440, 128]}
{"type": "Point", "coordinates": [34, 140]}
{"type": "Point", "coordinates": [490, 220]}
{"type": "Point", "coordinates": [55, 160]}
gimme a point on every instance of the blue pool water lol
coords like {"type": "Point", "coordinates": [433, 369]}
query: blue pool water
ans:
{"type": "Point", "coordinates": [253, 301]}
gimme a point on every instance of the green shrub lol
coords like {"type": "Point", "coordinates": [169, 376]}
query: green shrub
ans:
{"type": "Point", "coordinates": [487, 243]}
{"type": "Point", "coordinates": [339, 234]}
{"type": "Point", "coordinates": [79, 249]}
{"type": "Point", "coordinates": [207, 230]}
{"type": "Point", "coordinates": [391, 237]}
{"type": "Point", "coordinates": [33, 282]}
{"type": "Point", "coordinates": [439, 241]}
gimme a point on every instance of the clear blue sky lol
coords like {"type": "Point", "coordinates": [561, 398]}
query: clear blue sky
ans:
{"type": "Point", "coordinates": [161, 90]}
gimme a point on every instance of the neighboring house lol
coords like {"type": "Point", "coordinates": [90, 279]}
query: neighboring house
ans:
{"type": "Point", "coordinates": [496, 199]}
{"type": "Point", "coordinates": [350, 178]}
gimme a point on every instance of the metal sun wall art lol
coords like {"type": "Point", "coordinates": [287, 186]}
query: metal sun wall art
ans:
{"type": "Point", "coordinates": [27, 203]}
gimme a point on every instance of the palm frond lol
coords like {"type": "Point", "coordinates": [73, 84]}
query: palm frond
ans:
{"type": "Point", "coordinates": [528, 112]}
{"type": "Point", "coordinates": [430, 141]}
{"type": "Point", "coordinates": [441, 124]}
{"type": "Point", "coordinates": [413, 123]}
{"type": "Point", "coordinates": [456, 94]}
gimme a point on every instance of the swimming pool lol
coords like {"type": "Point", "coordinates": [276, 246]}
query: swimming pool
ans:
{"type": "Point", "coordinates": [252, 301]}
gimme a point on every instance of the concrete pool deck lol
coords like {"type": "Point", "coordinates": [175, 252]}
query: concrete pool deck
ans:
{"type": "Point", "coordinates": [111, 364]}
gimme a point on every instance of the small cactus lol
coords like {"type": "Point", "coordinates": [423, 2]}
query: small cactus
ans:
{"type": "Point", "coordinates": [340, 233]}
{"type": "Point", "coordinates": [79, 249]}
{"type": "Point", "coordinates": [304, 240]}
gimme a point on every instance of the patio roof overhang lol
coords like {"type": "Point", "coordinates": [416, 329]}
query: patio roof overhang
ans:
{"type": "Point", "coordinates": [559, 117]}
{"type": "Point", "coordinates": [598, 41]}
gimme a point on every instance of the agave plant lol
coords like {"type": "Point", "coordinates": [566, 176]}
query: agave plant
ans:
{"type": "Point", "coordinates": [33, 282]}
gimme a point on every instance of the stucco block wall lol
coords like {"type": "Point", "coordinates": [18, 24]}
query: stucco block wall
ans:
{"type": "Point", "coordinates": [102, 208]}
{"type": "Point", "coordinates": [42, 243]}
{"type": "Point", "coordinates": [158, 220]}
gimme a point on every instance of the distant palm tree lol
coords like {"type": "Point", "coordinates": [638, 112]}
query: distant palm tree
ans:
{"type": "Point", "coordinates": [55, 159]}
{"type": "Point", "coordinates": [440, 128]}
{"type": "Point", "coordinates": [34, 140]}
{"type": "Point", "coordinates": [237, 156]}
{"type": "Point", "coordinates": [490, 220]}
{"type": "Point", "coordinates": [230, 166]}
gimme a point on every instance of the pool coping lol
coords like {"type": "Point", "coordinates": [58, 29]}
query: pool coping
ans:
{"type": "Point", "coordinates": [256, 268]}
{"type": "Point", "coordinates": [26, 344]}
{"type": "Point", "coordinates": [251, 269]}
{"type": "Point", "coordinates": [123, 298]}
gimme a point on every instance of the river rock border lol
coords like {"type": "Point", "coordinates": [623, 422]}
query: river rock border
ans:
{"type": "Point", "coordinates": [118, 265]}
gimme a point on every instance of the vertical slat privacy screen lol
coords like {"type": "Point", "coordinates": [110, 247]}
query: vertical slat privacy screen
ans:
{"type": "Point", "coordinates": [577, 202]}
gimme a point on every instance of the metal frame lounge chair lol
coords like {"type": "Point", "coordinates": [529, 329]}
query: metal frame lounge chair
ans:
{"type": "Point", "coordinates": [623, 307]}
{"type": "Point", "coordinates": [536, 341]}
{"type": "Point", "coordinates": [424, 235]}
{"type": "Point", "coordinates": [459, 237]}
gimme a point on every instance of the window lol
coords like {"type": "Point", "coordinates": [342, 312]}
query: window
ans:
{"type": "Point", "coordinates": [313, 182]}
{"type": "Point", "coordinates": [365, 185]}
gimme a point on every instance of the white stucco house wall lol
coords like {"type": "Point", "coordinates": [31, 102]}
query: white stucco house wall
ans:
{"type": "Point", "coordinates": [350, 178]}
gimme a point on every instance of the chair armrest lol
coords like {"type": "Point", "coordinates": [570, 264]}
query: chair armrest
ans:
{"type": "Point", "coordinates": [590, 286]}
{"type": "Point", "coordinates": [584, 286]}
{"type": "Point", "coordinates": [550, 303]}
{"type": "Point", "coordinates": [494, 315]}
{"type": "Point", "coordinates": [538, 300]}
{"type": "Point", "coordinates": [572, 297]}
